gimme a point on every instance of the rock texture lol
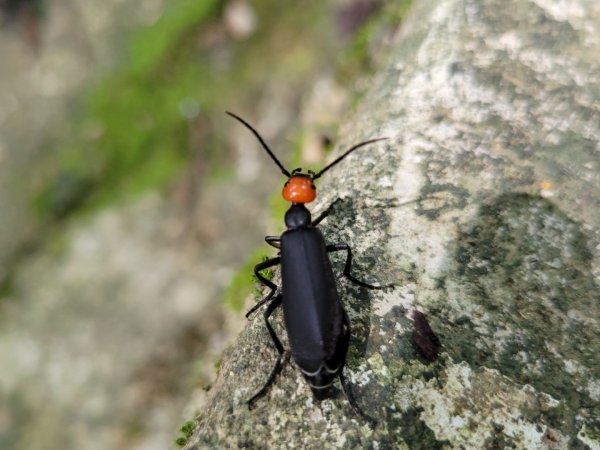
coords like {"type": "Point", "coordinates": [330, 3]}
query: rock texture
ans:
{"type": "Point", "coordinates": [483, 206]}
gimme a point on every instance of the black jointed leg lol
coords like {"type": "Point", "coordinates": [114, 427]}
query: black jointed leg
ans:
{"type": "Point", "coordinates": [344, 383]}
{"type": "Point", "coordinates": [337, 247]}
{"type": "Point", "coordinates": [325, 213]}
{"type": "Point", "coordinates": [277, 367]}
{"type": "Point", "coordinates": [359, 412]}
{"type": "Point", "coordinates": [273, 241]}
{"type": "Point", "coordinates": [272, 286]}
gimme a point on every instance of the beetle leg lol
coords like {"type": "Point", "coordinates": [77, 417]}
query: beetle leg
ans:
{"type": "Point", "coordinates": [273, 241]}
{"type": "Point", "coordinates": [337, 247]}
{"type": "Point", "coordinates": [277, 367]}
{"type": "Point", "coordinates": [325, 213]}
{"type": "Point", "coordinates": [272, 286]}
{"type": "Point", "coordinates": [350, 397]}
{"type": "Point", "coordinates": [343, 381]}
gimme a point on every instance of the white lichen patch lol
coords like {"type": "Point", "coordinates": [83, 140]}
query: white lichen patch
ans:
{"type": "Point", "coordinates": [384, 182]}
{"type": "Point", "coordinates": [562, 10]}
{"type": "Point", "coordinates": [574, 367]}
{"type": "Point", "coordinates": [399, 328]}
{"type": "Point", "coordinates": [360, 376]}
{"type": "Point", "coordinates": [475, 407]}
{"type": "Point", "coordinates": [582, 317]}
{"type": "Point", "coordinates": [309, 403]}
{"type": "Point", "coordinates": [315, 414]}
{"type": "Point", "coordinates": [334, 435]}
{"type": "Point", "coordinates": [593, 389]}
{"type": "Point", "coordinates": [418, 241]}
{"type": "Point", "coordinates": [277, 422]}
{"type": "Point", "coordinates": [373, 369]}
{"type": "Point", "coordinates": [546, 401]}
{"type": "Point", "coordinates": [240, 396]}
{"type": "Point", "coordinates": [300, 388]}
{"type": "Point", "coordinates": [405, 395]}
{"type": "Point", "coordinates": [277, 392]}
{"type": "Point", "coordinates": [378, 366]}
{"type": "Point", "coordinates": [459, 377]}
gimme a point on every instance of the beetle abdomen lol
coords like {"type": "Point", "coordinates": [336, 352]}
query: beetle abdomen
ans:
{"type": "Point", "coordinates": [321, 381]}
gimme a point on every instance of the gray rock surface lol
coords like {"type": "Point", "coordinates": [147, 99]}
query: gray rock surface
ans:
{"type": "Point", "coordinates": [492, 110]}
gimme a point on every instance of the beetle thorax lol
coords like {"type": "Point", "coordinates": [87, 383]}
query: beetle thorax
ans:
{"type": "Point", "coordinates": [297, 216]}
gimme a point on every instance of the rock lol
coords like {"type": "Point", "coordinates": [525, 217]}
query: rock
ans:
{"type": "Point", "coordinates": [483, 207]}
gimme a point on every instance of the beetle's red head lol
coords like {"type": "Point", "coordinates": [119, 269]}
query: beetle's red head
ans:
{"type": "Point", "coordinates": [299, 188]}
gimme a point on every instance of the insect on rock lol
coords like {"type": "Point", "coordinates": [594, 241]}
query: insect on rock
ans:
{"type": "Point", "coordinates": [315, 320]}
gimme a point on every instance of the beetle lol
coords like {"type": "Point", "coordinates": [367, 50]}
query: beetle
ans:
{"type": "Point", "coordinates": [317, 325]}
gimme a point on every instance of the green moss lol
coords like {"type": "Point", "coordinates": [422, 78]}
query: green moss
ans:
{"type": "Point", "coordinates": [187, 429]}
{"type": "Point", "coordinates": [149, 46]}
{"type": "Point", "coordinates": [132, 135]}
{"type": "Point", "coordinates": [278, 208]}
{"type": "Point", "coordinates": [244, 282]}
{"type": "Point", "coordinates": [6, 284]}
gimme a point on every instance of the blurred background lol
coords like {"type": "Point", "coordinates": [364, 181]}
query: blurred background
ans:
{"type": "Point", "coordinates": [133, 209]}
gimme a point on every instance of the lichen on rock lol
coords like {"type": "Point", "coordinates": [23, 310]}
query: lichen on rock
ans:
{"type": "Point", "coordinates": [482, 208]}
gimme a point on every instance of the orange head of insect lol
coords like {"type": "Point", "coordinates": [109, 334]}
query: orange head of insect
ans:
{"type": "Point", "coordinates": [299, 188]}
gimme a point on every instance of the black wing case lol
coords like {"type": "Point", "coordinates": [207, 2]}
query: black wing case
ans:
{"type": "Point", "coordinates": [313, 314]}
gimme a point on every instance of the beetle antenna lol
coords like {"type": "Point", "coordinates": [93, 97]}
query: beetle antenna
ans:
{"type": "Point", "coordinates": [318, 174]}
{"type": "Point", "coordinates": [265, 146]}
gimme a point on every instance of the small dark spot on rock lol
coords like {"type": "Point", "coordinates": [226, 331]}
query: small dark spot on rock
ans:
{"type": "Point", "coordinates": [440, 283]}
{"type": "Point", "coordinates": [551, 438]}
{"type": "Point", "coordinates": [498, 427]}
{"type": "Point", "coordinates": [455, 68]}
{"type": "Point", "coordinates": [426, 341]}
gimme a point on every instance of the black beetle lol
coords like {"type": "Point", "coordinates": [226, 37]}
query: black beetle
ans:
{"type": "Point", "coordinates": [317, 325]}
